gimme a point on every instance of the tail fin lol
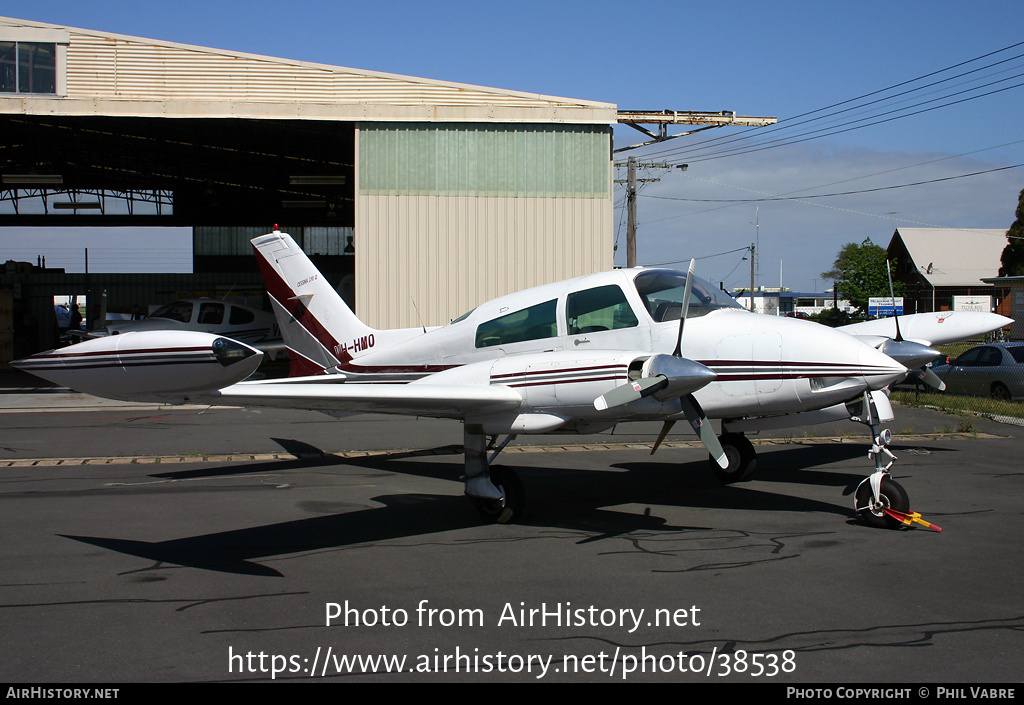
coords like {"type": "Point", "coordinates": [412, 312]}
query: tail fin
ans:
{"type": "Point", "coordinates": [316, 324]}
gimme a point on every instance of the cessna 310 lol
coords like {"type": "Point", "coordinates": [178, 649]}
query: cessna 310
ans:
{"type": "Point", "coordinates": [575, 356]}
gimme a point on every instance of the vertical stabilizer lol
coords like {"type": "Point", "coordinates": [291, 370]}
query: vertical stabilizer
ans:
{"type": "Point", "coordinates": [316, 324]}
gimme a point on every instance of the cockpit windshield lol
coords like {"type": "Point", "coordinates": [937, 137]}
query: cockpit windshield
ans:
{"type": "Point", "coordinates": [662, 292]}
{"type": "Point", "coordinates": [180, 311]}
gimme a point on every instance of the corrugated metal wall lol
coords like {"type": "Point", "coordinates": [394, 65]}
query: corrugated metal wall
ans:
{"type": "Point", "coordinates": [481, 159]}
{"type": "Point", "coordinates": [119, 67]}
{"type": "Point", "coordinates": [449, 216]}
{"type": "Point", "coordinates": [423, 260]}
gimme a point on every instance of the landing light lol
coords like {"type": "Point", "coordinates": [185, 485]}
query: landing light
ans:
{"type": "Point", "coordinates": [228, 351]}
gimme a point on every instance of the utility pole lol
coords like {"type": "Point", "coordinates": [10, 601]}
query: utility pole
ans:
{"type": "Point", "coordinates": [662, 119]}
{"type": "Point", "coordinates": [631, 181]}
{"type": "Point", "coordinates": [751, 277]}
{"type": "Point", "coordinates": [631, 212]}
{"type": "Point", "coordinates": [757, 239]}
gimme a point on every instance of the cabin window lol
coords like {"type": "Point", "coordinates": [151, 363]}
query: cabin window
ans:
{"type": "Point", "coordinates": [602, 308]}
{"type": "Point", "coordinates": [241, 316]}
{"type": "Point", "coordinates": [28, 67]}
{"type": "Point", "coordinates": [211, 314]}
{"type": "Point", "coordinates": [662, 290]}
{"type": "Point", "coordinates": [533, 323]}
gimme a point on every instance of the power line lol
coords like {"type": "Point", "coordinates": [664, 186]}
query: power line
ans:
{"type": "Point", "coordinates": [717, 254]}
{"type": "Point", "coordinates": [823, 132]}
{"type": "Point", "coordinates": [830, 195]}
{"type": "Point", "coordinates": [787, 123]}
{"type": "Point", "coordinates": [694, 152]}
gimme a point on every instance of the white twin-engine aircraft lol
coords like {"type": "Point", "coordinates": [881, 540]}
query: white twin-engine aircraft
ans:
{"type": "Point", "coordinates": [576, 356]}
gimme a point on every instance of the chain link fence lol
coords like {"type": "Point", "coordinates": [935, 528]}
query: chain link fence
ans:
{"type": "Point", "coordinates": [981, 376]}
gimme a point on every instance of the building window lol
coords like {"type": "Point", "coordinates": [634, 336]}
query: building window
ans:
{"type": "Point", "coordinates": [28, 67]}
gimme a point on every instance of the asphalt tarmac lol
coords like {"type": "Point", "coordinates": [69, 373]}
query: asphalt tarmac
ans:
{"type": "Point", "coordinates": [148, 544]}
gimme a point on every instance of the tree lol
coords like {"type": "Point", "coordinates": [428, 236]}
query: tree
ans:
{"type": "Point", "coordinates": [859, 273]}
{"type": "Point", "coordinates": [1011, 263]}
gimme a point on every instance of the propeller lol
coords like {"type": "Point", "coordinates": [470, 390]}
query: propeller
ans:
{"type": "Point", "coordinates": [667, 377]}
{"type": "Point", "coordinates": [892, 295]}
{"type": "Point", "coordinates": [911, 355]}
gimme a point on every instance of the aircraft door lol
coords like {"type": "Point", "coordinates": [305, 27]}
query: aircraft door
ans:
{"type": "Point", "coordinates": [601, 318]}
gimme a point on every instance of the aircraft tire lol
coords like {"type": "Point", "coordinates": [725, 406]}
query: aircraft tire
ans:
{"type": "Point", "coordinates": [742, 459]}
{"type": "Point", "coordinates": [893, 496]}
{"type": "Point", "coordinates": [508, 509]}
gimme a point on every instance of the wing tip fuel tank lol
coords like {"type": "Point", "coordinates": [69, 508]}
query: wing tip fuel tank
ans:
{"type": "Point", "coordinates": [148, 366]}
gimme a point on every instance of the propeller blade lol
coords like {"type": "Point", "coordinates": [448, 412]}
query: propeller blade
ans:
{"type": "Point", "coordinates": [892, 295]}
{"type": "Point", "coordinates": [632, 391]}
{"type": "Point", "coordinates": [933, 380]}
{"type": "Point", "coordinates": [702, 427]}
{"type": "Point", "coordinates": [664, 432]}
{"type": "Point", "coordinates": [928, 377]}
{"type": "Point", "coordinates": [678, 352]}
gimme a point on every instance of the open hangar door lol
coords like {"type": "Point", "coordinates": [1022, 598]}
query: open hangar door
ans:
{"type": "Point", "coordinates": [227, 179]}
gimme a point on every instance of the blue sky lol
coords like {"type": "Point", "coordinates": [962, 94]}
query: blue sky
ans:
{"type": "Point", "coordinates": [765, 59]}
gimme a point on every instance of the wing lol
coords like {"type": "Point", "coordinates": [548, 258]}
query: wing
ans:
{"type": "Point", "coordinates": [932, 328]}
{"type": "Point", "coordinates": [450, 401]}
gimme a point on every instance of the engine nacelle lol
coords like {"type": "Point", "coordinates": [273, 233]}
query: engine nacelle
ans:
{"type": "Point", "coordinates": [147, 366]}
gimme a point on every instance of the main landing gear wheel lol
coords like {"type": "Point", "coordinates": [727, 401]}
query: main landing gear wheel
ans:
{"type": "Point", "coordinates": [741, 456]}
{"type": "Point", "coordinates": [510, 507]}
{"type": "Point", "coordinates": [891, 496]}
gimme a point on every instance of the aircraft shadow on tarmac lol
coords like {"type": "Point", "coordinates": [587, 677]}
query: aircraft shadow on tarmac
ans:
{"type": "Point", "coordinates": [561, 497]}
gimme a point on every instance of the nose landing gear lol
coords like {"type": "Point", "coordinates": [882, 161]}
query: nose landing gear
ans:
{"type": "Point", "coordinates": [880, 500]}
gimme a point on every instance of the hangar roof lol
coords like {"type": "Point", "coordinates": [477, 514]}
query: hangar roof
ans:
{"type": "Point", "coordinates": [99, 73]}
{"type": "Point", "coordinates": [953, 256]}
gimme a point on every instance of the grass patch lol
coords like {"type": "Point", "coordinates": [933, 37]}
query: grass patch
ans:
{"type": "Point", "coordinates": [953, 404]}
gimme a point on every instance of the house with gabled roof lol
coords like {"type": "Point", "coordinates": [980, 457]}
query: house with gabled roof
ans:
{"type": "Point", "coordinates": [937, 264]}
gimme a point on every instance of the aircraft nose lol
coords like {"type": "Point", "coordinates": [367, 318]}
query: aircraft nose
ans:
{"type": "Point", "coordinates": [879, 369]}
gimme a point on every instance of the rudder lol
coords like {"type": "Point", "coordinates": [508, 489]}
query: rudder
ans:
{"type": "Point", "coordinates": [316, 324]}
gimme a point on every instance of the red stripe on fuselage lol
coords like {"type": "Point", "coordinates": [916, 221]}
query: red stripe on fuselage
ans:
{"type": "Point", "coordinates": [57, 354]}
{"type": "Point", "coordinates": [555, 371]}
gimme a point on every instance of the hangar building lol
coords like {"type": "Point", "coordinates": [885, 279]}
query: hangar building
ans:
{"type": "Point", "coordinates": [449, 194]}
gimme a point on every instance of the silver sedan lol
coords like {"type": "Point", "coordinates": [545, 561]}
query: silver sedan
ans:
{"type": "Point", "coordinates": [995, 370]}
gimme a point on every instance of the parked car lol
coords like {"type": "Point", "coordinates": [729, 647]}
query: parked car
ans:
{"type": "Point", "coordinates": [995, 370]}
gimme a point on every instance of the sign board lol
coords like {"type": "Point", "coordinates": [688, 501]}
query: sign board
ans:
{"type": "Point", "coordinates": [972, 303]}
{"type": "Point", "coordinates": [882, 306]}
